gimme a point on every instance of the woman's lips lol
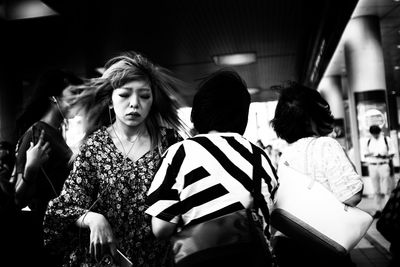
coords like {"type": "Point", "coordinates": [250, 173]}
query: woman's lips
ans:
{"type": "Point", "coordinates": [133, 115]}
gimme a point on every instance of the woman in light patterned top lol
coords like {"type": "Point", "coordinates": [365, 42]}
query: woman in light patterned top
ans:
{"type": "Point", "coordinates": [303, 119]}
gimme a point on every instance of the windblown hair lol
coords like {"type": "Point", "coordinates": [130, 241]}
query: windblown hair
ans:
{"type": "Point", "coordinates": [50, 83]}
{"type": "Point", "coordinates": [297, 107]}
{"type": "Point", "coordinates": [94, 98]}
{"type": "Point", "coordinates": [221, 103]}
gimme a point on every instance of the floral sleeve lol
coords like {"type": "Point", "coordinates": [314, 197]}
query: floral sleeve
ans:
{"type": "Point", "coordinates": [77, 195]}
{"type": "Point", "coordinates": [339, 171]}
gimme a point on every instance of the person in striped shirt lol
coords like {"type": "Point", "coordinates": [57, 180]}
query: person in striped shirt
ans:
{"type": "Point", "coordinates": [210, 174]}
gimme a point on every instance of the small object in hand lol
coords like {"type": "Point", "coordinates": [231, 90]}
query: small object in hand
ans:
{"type": "Point", "coordinates": [377, 214]}
{"type": "Point", "coordinates": [122, 260]}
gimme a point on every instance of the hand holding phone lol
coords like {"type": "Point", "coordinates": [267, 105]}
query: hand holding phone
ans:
{"type": "Point", "coordinates": [121, 260]}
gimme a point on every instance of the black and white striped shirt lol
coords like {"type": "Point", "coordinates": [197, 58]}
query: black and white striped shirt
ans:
{"type": "Point", "coordinates": [205, 177]}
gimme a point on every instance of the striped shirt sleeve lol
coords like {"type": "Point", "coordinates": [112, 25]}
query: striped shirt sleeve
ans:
{"type": "Point", "coordinates": [163, 195]}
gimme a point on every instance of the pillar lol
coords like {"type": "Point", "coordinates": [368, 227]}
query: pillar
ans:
{"type": "Point", "coordinates": [366, 79]}
{"type": "Point", "coordinates": [330, 88]}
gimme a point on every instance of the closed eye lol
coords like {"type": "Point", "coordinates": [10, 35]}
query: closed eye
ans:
{"type": "Point", "coordinates": [146, 96]}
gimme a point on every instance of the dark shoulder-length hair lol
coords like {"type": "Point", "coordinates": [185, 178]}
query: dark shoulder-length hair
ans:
{"type": "Point", "coordinates": [94, 97]}
{"type": "Point", "coordinates": [50, 83]}
{"type": "Point", "coordinates": [298, 108]}
{"type": "Point", "coordinates": [221, 103]}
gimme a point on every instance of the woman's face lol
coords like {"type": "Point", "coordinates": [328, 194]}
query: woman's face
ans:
{"type": "Point", "coordinates": [132, 102]}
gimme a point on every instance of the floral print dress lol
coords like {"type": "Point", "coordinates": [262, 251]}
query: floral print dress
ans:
{"type": "Point", "coordinates": [106, 182]}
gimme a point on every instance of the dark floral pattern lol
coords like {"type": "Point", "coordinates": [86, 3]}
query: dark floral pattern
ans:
{"type": "Point", "coordinates": [104, 181]}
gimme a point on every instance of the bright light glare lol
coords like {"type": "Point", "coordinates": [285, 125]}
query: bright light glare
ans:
{"type": "Point", "coordinates": [253, 91]}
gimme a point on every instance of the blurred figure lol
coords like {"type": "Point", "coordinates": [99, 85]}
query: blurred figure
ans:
{"type": "Point", "coordinates": [131, 117]}
{"type": "Point", "coordinates": [8, 209]}
{"type": "Point", "coordinates": [11, 233]}
{"type": "Point", "coordinates": [379, 152]}
{"type": "Point", "coordinates": [303, 117]}
{"type": "Point", "coordinates": [389, 225]}
{"type": "Point", "coordinates": [34, 187]}
{"type": "Point", "coordinates": [7, 160]}
{"type": "Point", "coordinates": [180, 194]}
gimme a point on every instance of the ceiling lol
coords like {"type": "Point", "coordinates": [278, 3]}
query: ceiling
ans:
{"type": "Point", "coordinates": [293, 40]}
{"type": "Point", "coordinates": [388, 12]}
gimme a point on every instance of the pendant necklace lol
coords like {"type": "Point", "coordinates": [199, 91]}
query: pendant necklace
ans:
{"type": "Point", "coordinates": [133, 142]}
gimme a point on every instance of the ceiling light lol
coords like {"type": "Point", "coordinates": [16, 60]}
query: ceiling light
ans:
{"type": "Point", "coordinates": [397, 67]}
{"type": "Point", "coordinates": [253, 90]}
{"type": "Point", "coordinates": [235, 59]}
{"type": "Point", "coordinates": [28, 9]}
{"type": "Point", "coordinates": [398, 46]}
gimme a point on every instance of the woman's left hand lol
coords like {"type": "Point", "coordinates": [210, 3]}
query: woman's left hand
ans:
{"type": "Point", "coordinates": [37, 154]}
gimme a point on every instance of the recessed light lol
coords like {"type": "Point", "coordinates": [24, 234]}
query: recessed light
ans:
{"type": "Point", "coordinates": [235, 59]}
{"type": "Point", "coordinates": [397, 67]}
{"type": "Point", "coordinates": [398, 46]}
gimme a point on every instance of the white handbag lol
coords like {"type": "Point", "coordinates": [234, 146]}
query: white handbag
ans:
{"type": "Point", "coordinates": [308, 212]}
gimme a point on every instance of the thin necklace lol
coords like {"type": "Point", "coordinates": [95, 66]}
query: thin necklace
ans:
{"type": "Point", "coordinates": [123, 148]}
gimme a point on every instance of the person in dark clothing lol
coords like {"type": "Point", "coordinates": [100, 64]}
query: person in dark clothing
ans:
{"type": "Point", "coordinates": [6, 188]}
{"type": "Point", "coordinates": [34, 187]}
{"type": "Point", "coordinates": [9, 214]}
{"type": "Point", "coordinates": [7, 206]}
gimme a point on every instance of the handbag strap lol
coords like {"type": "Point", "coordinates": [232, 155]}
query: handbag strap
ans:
{"type": "Point", "coordinates": [259, 199]}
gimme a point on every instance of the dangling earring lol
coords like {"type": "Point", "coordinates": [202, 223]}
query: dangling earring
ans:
{"type": "Point", "coordinates": [110, 107]}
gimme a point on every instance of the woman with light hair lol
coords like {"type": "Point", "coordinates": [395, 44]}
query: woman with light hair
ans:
{"type": "Point", "coordinates": [130, 120]}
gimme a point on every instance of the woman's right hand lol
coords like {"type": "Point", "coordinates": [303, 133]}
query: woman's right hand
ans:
{"type": "Point", "coordinates": [354, 200]}
{"type": "Point", "coordinates": [102, 240]}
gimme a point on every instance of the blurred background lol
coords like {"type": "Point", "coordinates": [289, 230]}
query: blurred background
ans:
{"type": "Point", "coordinates": [348, 50]}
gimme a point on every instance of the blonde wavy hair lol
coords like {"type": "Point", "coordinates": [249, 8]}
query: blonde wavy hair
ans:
{"type": "Point", "coordinates": [93, 99]}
